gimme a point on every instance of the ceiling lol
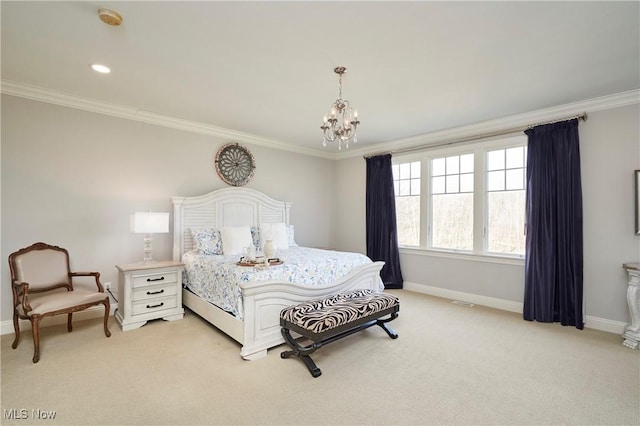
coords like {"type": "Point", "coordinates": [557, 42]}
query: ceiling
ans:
{"type": "Point", "coordinates": [266, 68]}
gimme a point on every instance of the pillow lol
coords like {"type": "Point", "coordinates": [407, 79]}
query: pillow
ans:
{"type": "Point", "coordinates": [276, 232]}
{"type": "Point", "coordinates": [255, 236]}
{"type": "Point", "coordinates": [235, 239]}
{"type": "Point", "coordinates": [291, 235]}
{"type": "Point", "coordinates": [207, 241]}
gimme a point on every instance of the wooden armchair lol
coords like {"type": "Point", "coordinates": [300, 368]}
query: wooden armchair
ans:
{"type": "Point", "coordinates": [41, 281]}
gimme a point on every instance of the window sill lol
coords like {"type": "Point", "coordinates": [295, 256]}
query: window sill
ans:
{"type": "Point", "coordinates": [475, 257]}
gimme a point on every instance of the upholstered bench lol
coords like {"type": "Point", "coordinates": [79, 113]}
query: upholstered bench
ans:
{"type": "Point", "coordinates": [327, 320]}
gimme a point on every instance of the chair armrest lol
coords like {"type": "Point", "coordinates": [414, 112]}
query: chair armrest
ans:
{"type": "Point", "coordinates": [21, 292]}
{"type": "Point", "coordinates": [89, 274]}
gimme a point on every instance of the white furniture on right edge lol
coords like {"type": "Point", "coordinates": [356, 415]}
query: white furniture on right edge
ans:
{"type": "Point", "coordinates": [632, 331]}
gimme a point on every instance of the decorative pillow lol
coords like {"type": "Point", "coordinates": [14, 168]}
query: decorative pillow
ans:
{"type": "Point", "coordinates": [255, 236]}
{"type": "Point", "coordinates": [291, 235]}
{"type": "Point", "coordinates": [207, 241]}
{"type": "Point", "coordinates": [235, 239]}
{"type": "Point", "coordinates": [276, 232]}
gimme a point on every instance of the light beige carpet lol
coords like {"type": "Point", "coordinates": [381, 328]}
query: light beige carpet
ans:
{"type": "Point", "coordinates": [450, 365]}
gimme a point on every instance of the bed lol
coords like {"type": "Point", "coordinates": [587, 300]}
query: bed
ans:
{"type": "Point", "coordinates": [254, 320]}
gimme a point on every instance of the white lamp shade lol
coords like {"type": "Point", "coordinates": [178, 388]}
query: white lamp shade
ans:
{"type": "Point", "coordinates": [150, 222]}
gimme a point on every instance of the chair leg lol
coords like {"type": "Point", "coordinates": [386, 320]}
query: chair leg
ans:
{"type": "Point", "coordinates": [16, 327]}
{"type": "Point", "coordinates": [35, 326]}
{"type": "Point", "coordinates": [107, 310]}
{"type": "Point", "coordinates": [69, 326]}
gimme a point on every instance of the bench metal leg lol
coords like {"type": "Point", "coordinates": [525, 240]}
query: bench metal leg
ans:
{"type": "Point", "coordinates": [383, 324]}
{"type": "Point", "coordinates": [303, 352]}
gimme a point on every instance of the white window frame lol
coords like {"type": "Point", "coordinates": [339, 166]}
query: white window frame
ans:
{"type": "Point", "coordinates": [410, 159]}
{"type": "Point", "coordinates": [485, 192]}
{"type": "Point", "coordinates": [480, 215]}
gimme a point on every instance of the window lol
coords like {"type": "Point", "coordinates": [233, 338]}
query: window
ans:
{"type": "Point", "coordinates": [506, 200]}
{"type": "Point", "coordinates": [452, 202]}
{"type": "Point", "coordinates": [473, 199]}
{"type": "Point", "coordinates": [406, 184]}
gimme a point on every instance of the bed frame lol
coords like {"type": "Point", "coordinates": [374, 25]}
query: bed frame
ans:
{"type": "Point", "coordinates": [263, 301]}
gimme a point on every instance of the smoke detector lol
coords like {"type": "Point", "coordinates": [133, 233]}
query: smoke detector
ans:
{"type": "Point", "coordinates": [110, 17]}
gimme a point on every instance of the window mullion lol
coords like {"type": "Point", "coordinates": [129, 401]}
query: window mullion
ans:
{"type": "Point", "coordinates": [479, 201]}
{"type": "Point", "coordinates": [425, 201]}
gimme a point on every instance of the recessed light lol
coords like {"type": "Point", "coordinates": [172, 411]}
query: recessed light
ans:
{"type": "Point", "coordinates": [101, 68]}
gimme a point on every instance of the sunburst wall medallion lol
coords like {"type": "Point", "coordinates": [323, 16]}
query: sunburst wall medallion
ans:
{"type": "Point", "coordinates": [235, 164]}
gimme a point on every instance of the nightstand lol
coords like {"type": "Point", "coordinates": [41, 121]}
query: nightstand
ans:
{"type": "Point", "coordinates": [148, 291]}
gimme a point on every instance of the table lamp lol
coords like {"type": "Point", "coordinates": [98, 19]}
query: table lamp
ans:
{"type": "Point", "coordinates": [149, 223]}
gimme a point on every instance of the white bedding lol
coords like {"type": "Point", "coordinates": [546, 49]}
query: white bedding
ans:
{"type": "Point", "coordinates": [216, 278]}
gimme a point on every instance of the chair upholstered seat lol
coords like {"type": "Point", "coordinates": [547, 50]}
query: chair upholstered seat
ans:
{"type": "Point", "coordinates": [61, 301]}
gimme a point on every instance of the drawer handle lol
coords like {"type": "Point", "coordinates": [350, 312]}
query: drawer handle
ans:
{"type": "Point", "coordinates": [149, 293]}
{"type": "Point", "coordinates": [155, 279]}
{"type": "Point", "coordinates": [155, 306]}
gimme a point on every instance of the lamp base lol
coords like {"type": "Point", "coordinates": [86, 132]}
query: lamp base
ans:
{"type": "Point", "coordinates": [148, 258]}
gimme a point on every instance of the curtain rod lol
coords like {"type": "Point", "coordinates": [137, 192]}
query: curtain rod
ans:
{"type": "Point", "coordinates": [582, 117]}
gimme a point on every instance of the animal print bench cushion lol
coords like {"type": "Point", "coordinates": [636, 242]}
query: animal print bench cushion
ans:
{"type": "Point", "coordinates": [324, 314]}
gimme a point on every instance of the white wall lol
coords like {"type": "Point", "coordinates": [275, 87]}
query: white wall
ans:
{"type": "Point", "coordinates": [348, 232]}
{"type": "Point", "coordinates": [610, 151]}
{"type": "Point", "coordinates": [72, 178]}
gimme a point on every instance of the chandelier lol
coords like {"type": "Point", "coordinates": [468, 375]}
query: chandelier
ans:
{"type": "Point", "coordinates": [341, 123]}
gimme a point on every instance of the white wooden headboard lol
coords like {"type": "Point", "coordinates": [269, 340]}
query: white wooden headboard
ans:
{"type": "Point", "coordinates": [223, 207]}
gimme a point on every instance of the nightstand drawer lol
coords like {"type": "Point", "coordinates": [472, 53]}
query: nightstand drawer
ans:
{"type": "Point", "coordinates": [154, 279]}
{"type": "Point", "coordinates": [146, 306]}
{"type": "Point", "coordinates": [154, 292]}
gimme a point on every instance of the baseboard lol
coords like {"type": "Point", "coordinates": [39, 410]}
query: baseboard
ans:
{"type": "Point", "coordinates": [6, 327]}
{"type": "Point", "coordinates": [595, 323]}
{"type": "Point", "coordinates": [445, 293]}
{"type": "Point", "coordinates": [603, 324]}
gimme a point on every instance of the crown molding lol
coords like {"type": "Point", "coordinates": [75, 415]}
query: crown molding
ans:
{"type": "Point", "coordinates": [513, 121]}
{"type": "Point", "coordinates": [22, 90]}
{"type": "Point", "coordinates": [13, 88]}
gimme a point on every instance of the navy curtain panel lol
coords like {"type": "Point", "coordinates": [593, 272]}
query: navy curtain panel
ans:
{"type": "Point", "coordinates": [553, 265]}
{"type": "Point", "coordinates": [382, 234]}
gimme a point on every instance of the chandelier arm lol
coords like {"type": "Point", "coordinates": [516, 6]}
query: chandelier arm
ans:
{"type": "Point", "coordinates": [329, 136]}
